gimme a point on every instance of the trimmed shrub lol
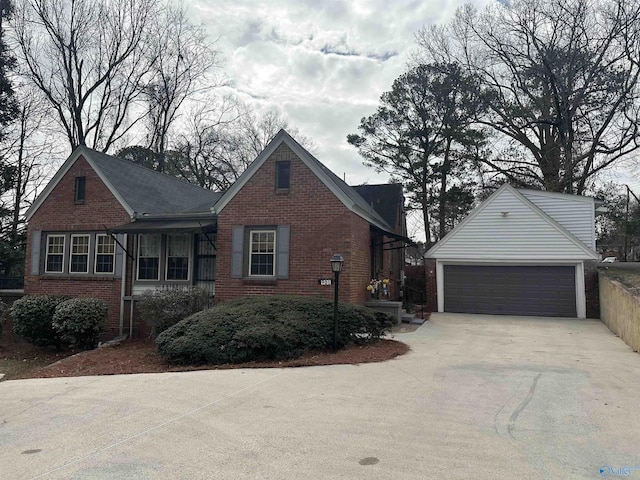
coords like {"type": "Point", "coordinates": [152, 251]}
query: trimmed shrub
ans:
{"type": "Point", "coordinates": [267, 328]}
{"type": "Point", "coordinates": [80, 321]}
{"type": "Point", "coordinates": [33, 319]}
{"type": "Point", "coordinates": [161, 309]}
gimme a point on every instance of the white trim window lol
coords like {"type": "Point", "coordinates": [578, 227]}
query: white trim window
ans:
{"type": "Point", "coordinates": [104, 262]}
{"type": "Point", "coordinates": [178, 252]}
{"type": "Point", "coordinates": [54, 262]}
{"type": "Point", "coordinates": [262, 253]}
{"type": "Point", "coordinates": [79, 258]}
{"type": "Point", "coordinates": [149, 257]}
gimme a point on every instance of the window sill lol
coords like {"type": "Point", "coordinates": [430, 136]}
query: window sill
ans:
{"type": "Point", "coordinates": [79, 202]}
{"type": "Point", "coordinates": [260, 281]}
{"type": "Point", "coordinates": [156, 281]}
{"type": "Point", "coordinates": [282, 191]}
{"type": "Point", "coordinates": [107, 277]}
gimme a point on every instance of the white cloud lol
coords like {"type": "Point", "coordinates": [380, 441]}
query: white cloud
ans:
{"type": "Point", "coordinates": [323, 64]}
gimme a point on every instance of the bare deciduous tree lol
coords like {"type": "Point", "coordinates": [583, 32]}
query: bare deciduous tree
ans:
{"type": "Point", "coordinates": [561, 80]}
{"type": "Point", "coordinates": [220, 143]}
{"type": "Point", "coordinates": [27, 152]}
{"type": "Point", "coordinates": [182, 64]}
{"type": "Point", "coordinates": [203, 152]}
{"type": "Point", "coordinates": [89, 59]}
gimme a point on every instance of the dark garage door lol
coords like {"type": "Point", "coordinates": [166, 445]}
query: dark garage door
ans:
{"type": "Point", "coordinates": [510, 290]}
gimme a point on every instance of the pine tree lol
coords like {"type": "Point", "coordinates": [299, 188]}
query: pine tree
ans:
{"type": "Point", "coordinates": [8, 104]}
{"type": "Point", "coordinates": [9, 253]}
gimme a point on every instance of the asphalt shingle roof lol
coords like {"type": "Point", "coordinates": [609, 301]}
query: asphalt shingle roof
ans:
{"type": "Point", "coordinates": [385, 198]}
{"type": "Point", "coordinates": [151, 192]}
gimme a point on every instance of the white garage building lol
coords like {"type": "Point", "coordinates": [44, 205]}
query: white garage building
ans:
{"type": "Point", "coordinates": [520, 252]}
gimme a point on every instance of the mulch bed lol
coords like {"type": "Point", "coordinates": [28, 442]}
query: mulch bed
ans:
{"type": "Point", "coordinates": [136, 356]}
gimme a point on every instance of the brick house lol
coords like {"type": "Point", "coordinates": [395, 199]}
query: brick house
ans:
{"type": "Point", "coordinates": [109, 228]}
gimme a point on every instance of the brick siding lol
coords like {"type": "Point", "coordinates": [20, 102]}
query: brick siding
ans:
{"type": "Point", "coordinates": [320, 225]}
{"type": "Point", "coordinates": [59, 213]}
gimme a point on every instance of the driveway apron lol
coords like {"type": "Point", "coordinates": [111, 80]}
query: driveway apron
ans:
{"type": "Point", "coordinates": [477, 397]}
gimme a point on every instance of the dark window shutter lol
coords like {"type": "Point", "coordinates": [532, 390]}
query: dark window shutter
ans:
{"type": "Point", "coordinates": [35, 252]}
{"type": "Point", "coordinates": [237, 251]}
{"type": "Point", "coordinates": [120, 258]}
{"type": "Point", "coordinates": [282, 260]}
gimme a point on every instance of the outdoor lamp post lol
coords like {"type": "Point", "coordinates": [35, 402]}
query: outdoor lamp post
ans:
{"type": "Point", "coordinates": [336, 266]}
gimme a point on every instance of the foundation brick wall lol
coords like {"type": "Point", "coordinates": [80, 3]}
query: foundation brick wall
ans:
{"type": "Point", "coordinates": [320, 225]}
{"type": "Point", "coordinates": [59, 213]}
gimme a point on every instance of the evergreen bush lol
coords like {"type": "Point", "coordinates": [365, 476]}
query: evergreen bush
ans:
{"type": "Point", "coordinates": [33, 319]}
{"type": "Point", "coordinates": [267, 328]}
{"type": "Point", "coordinates": [80, 321]}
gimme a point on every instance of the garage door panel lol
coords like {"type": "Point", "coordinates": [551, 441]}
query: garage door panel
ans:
{"type": "Point", "coordinates": [510, 290]}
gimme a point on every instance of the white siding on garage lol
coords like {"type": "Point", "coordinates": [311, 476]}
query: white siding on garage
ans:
{"type": "Point", "coordinates": [573, 212]}
{"type": "Point", "coordinates": [523, 233]}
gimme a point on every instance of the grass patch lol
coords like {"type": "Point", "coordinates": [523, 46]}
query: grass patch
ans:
{"type": "Point", "coordinates": [629, 278]}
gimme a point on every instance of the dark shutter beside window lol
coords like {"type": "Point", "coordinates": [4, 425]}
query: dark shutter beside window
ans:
{"type": "Point", "coordinates": [120, 258]}
{"type": "Point", "coordinates": [237, 250]}
{"type": "Point", "coordinates": [282, 249]}
{"type": "Point", "coordinates": [35, 252]}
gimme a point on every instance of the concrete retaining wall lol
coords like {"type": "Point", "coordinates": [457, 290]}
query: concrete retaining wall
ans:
{"type": "Point", "coordinates": [620, 311]}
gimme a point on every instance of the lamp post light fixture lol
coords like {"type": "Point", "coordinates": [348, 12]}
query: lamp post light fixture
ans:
{"type": "Point", "coordinates": [336, 267]}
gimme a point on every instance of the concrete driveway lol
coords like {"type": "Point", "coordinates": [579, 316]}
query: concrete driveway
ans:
{"type": "Point", "coordinates": [478, 397]}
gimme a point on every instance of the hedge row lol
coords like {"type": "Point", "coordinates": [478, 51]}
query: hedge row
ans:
{"type": "Point", "coordinates": [57, 320]}
{"type": "Point", "coordinates": [267, 328]}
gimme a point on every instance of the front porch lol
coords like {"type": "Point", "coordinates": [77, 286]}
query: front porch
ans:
{"type": "Point", "coordinates": [165, 253]}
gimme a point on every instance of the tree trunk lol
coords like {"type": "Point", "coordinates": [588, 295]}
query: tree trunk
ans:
{"type": "Point", "coordinates": [442, 208]}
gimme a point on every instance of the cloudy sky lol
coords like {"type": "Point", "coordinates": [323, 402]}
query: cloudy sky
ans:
{"type": "Point", "coordinates": [321, 63]}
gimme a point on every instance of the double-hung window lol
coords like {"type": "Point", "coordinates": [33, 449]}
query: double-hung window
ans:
{"type": "Point", "coordinates": [178, 248]}
{"type": "Point", "coordinates": [55, 254]}
{"type": "Point", "coordinates": [105, 254]}
{"type": "Point", "coordinates": [262, 253]}
{"type": "Point", "coordinates": [149, 257]}
{"type": "Point", "coordinates": [79, 259]}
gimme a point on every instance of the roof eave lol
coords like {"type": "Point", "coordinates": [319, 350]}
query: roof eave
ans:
{"type": "Point", "coordinates": [570, 236]}
{"type": "Point", "coordinates": [165, 216]}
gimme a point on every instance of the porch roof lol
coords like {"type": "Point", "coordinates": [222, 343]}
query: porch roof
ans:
{"type": "Point", "coordinates": [167, 226]}
{"type": "Point", "coordinates": [394, 235]}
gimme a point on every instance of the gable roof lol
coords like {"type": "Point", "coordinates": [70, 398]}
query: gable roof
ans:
{"type": "Point", "coordinates": [576, 213]}
{"type": "Point", "coordinates": [507, 225]}
{"type": "Point", "coordinates": [139, 189]}
{"type": "Point", "coordinates": [346, 194]}
{"type": "Point", "coordinates": [385, 198]}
